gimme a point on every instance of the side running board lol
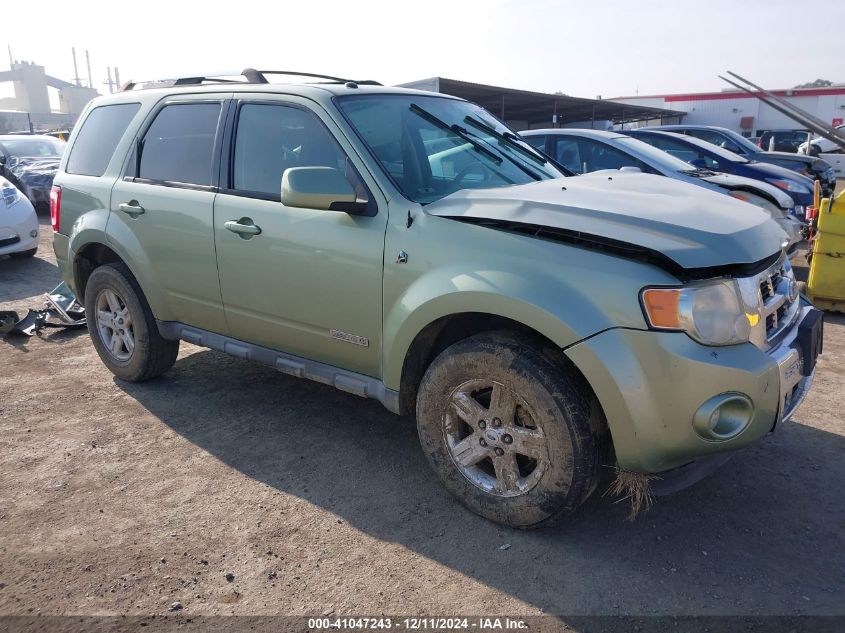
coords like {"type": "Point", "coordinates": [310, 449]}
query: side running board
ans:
{"type": "Point", "coordinates": [349, 381]}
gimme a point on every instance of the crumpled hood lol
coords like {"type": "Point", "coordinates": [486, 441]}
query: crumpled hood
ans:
{"type": "Point", "coordinates": [31, 167]}
{"type": "Point", "coordinates": [692, 226]}
{"type": "Point", "coordinates": [35, 175]}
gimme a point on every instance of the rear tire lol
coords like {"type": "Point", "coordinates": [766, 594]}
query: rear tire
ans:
{"type": "Point", "coordinates": [122, 326]}
{"type": "Point", "coordinates": [24, 254]}
{"type": "Point", "coordinates": [516, 435]}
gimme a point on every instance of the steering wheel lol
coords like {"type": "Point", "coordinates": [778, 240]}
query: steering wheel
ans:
{"type": "Point", "coordinates": [486, 172]}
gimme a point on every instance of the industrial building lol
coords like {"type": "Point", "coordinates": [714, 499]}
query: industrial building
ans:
{"type": "Point", "coordinates": [30, 108]}
{"type": "Point", "coordinates": [743, 112]}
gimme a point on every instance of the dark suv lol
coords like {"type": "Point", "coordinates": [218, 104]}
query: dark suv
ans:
{"type": "Point", "coordinates": [783, 140]}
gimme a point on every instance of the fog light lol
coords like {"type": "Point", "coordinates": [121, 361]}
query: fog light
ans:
{"type": "Point", "coordinates": [723, 417]}
{"type": "Point", "coordinates": [33, 233]}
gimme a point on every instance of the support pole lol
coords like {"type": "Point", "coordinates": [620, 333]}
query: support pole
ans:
{"type": "Point", "coordinates": [88, 61]}
{"type": "Point", "coordinates": [75, 68]}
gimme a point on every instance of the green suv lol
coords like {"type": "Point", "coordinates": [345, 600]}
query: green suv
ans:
{"type": "Point", "coordinates": [405, 246]}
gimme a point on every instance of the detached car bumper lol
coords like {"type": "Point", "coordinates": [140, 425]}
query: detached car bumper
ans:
{"type": "Point", "coordinates": [670, 401]}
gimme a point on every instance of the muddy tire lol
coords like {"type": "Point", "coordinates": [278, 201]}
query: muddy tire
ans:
{"type": "Point", "coordinates": [122, 326]}
{"type": "Point", "coordinates": [515, 434]}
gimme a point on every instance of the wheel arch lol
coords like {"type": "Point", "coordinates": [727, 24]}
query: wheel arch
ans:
{"type": "Point", "coordinates": [449, 329]}
{"type": "Point", "coordinates": [89, 246]}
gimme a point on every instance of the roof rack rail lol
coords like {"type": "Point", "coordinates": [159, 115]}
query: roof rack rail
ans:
{"type": "Point", "coordinates": [258, 77]}
{"type": "Point", "coordinates": [251, 75]}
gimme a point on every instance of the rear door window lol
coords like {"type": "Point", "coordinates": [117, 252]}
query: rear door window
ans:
{"type": "Point", "coordinates": [97, 139]}
{"type": "Point", "coordinates": [179, 145]}
{"type": "Point", "coordinates": [537, 142]}
{"type": "Point", "coordinates": [567, 152]}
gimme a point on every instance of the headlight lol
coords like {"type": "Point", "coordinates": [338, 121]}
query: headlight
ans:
{"type": "Point", "coordinates": [712, 313]}
{"type": "Point", "coordinates": [11, 195]}
{"type": "Point", "coordinates": [789, 185]}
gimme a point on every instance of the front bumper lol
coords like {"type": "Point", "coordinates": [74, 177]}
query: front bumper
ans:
{"type": "Point", "coordinates": [18, 229]}
{"type": "Point", "coordinates": [653, 385]}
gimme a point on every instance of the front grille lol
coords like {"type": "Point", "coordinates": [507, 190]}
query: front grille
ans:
{"type": "Point", "coordinates": [778, 297]}
{"type": "Point", "coordinates": [9, 241]}
{"type": "Point", "coordinates": [771, 302]}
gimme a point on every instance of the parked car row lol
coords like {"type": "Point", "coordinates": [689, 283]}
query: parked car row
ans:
{"type": "Point", "coordinates": [584, 151]}
{"type": "Point", "coordinates": [813, 168]}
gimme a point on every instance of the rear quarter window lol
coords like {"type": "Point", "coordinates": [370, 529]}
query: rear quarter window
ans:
{"type": "Point", "coordinates": [178, 146]}
{"type": "Point", "coordinates": [97, 139]}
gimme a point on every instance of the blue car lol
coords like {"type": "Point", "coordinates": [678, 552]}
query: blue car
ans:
{"type": "Point", "coordinates": [707, 156]}
{"type": "Point", "coordinates": [810, 166]}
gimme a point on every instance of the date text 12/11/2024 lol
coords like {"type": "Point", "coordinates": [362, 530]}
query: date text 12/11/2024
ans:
{"type": "Point", "coordinates": [415, 624]}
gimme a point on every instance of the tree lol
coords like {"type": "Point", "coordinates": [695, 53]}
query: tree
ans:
{"type": "Point", "coordinates": [818, 83]}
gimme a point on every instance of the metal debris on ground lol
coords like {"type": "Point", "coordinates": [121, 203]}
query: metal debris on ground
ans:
{"type": "Point", "coordinates": [61, 310]}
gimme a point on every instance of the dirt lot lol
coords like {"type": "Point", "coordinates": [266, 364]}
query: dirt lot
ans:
{"type": "Point", "coordinates": [118, 498]}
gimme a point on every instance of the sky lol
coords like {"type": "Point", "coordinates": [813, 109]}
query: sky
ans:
{"type": "Point", "coordinates": [606, 47]}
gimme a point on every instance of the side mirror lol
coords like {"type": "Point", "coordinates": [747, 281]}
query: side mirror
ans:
{"type": "Point", "coordinates": [631, 168]}
{"type": "Point", "coordinates": [322, 188]}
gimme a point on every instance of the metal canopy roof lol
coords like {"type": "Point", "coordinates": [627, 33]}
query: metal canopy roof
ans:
{"type": "Point", "coordinates": [539, 107]}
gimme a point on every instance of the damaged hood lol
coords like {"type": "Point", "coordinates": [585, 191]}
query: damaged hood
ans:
{"type": "Point", "coordinates": [34, 174]}
{"type": "Point", "coordinates": [690, 225]}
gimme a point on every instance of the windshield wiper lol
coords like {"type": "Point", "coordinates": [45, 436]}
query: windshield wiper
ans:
{"type": "Point", "coordinates": [457, 131]}
{"type": "Point", "coordinates": [508, 138]}
{"type": "Point", "coordinates": [699, 172]}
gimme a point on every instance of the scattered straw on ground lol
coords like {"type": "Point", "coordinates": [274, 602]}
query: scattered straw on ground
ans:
{"type": "Point", "coordinates": [635, 487]}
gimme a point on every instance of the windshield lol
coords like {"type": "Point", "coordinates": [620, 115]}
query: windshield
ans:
{"type": "Point", "coordinates": [713, 149]}
{"type": "Point", "coordinates": [657, 157]}
{"type": "Point", "coordinates": [740, 140]}
{"type": "Point", "coordinates": [33, 147]}
{"type": "Point", "coordinates": [431, 146]}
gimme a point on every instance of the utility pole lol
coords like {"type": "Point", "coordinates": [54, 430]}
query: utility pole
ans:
{"type": "Point", "coordinates": [88, 61]}
{"type": "Point", "coordinates": [11, 61]}
{"type": "Point", "coordinates": [109, 82]}
{"type": "Point", "coordinates": [116, 78]}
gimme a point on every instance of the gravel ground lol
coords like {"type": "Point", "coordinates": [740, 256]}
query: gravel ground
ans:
{"type": "Point", "coordinates": [232, 488]}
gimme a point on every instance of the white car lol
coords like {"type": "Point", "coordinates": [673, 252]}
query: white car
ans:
{"type": "Point", "coordinates": [820, 145]}
{"type": "Point", "coordinates": [18, 222]}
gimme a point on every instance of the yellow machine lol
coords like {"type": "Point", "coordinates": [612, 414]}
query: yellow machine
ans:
{"type": "Point", "coordinates": [826, 284]}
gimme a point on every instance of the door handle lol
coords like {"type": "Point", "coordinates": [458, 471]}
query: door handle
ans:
{"type": "Point", "coordinates": [243, 227]}
{"type": "Point", "coordinates": [131, 208]}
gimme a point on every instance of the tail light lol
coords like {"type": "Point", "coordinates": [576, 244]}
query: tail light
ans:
{"type": "Point", "coordinates": [55, 206]}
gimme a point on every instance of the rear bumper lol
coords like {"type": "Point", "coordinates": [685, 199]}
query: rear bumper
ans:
{"type": "Point", "coordinates": [61, 248]}
{"type": "Point", "coordinates": [655, 387]}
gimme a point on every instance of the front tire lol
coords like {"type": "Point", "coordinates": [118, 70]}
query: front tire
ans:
{"type": "Point", "coordinates": [514, 434]}
{"type": "Point", "coordinates": [122, 326]}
